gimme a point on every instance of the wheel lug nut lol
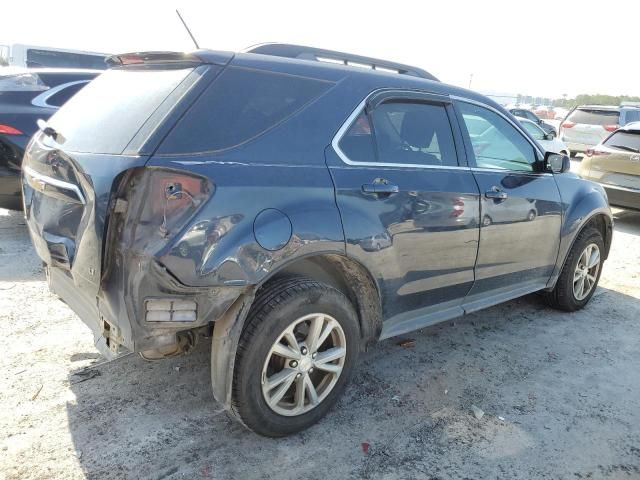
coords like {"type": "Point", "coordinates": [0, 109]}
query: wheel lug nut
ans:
{"type": "Point", "coordinates": [304, 350]}
{"type": "Point", "coordinates": [293, 364]}
{"type": "Point", "coordinates": [298, 375]}
{"type": "Point", "coordinates": [314, 355]}
{"type": "Point", "coordinates": [311, 370]}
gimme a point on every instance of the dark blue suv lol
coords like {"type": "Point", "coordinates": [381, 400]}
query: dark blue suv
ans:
{"type": "Point", "coordinates": [296, 205]}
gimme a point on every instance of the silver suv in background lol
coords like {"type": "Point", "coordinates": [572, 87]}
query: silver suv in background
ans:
{"type": "Point", "coordinates": [588, 125]}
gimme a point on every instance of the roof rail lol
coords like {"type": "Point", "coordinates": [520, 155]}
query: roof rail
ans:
{"type": "Point", "coordinates": [331, 56]}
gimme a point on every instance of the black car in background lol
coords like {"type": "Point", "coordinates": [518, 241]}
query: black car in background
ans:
{"type": "Point", "coordinates": [529, 115]}
{"type": "Point", "coordinates": [25, 96]}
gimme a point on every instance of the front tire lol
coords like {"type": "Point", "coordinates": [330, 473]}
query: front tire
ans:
{"type": "Point", "coordinates": [296, 353]}
{"type": "Point", "coordinates": [580, 274]}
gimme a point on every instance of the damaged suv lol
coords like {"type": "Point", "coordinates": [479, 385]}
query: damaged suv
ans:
{"type": "Point", "coordinates": [296, 205]}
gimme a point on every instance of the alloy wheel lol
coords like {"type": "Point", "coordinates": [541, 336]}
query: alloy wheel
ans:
{"type": "Point", "coordinates": [304, 364]}
{"type": "Point", "coordinates": [586, 272]}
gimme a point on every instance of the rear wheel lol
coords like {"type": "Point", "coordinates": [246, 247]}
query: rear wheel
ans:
{"type": "Point", "coordinates": [580, 274]}
{"type": "Point", "coordinates": [295, 356]}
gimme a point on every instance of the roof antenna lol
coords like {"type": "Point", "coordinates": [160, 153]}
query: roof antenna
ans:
{"type": "Point", "coordinates": [188, 31]}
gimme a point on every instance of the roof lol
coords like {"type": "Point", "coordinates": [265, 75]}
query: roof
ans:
{"type": "Point", "coordinates": [631, 127]}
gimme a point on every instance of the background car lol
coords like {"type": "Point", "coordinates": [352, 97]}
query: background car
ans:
{"type": "Point", "coordinates": [26, 96]}
{"type": "Point", "coordinates": [20, 55]}
{"type": "Point", "coordinates": [549, 142]}
{"type": "Point", "coordinates": [529, 115]}
{"type": "Point", "coordinates": [588, 125]}
{"type": "Point", "coordinates": [615, 163]}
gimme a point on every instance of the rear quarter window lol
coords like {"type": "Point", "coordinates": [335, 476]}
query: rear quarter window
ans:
{"type": "Point", "coordinates": [238, 106]}
{"type": "Point", "coordinates": [594, 117]}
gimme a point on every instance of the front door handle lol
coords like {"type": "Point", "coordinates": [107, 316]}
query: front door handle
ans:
{"type": "Point", "coordinates": [380, 188]}
{"type": "Point", "coordinates": [496, 193]}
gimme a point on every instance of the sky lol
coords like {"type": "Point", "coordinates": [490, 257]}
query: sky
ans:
{"type": "Point", "coordinates": [540, 48]}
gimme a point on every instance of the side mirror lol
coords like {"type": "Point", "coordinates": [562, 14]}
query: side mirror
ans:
{"type": "Point", "coordinates": [540, 122]}
{"type": "Point", "coordinates": [557, 163]}
{"type": "Point", "coordinates": [549, 136]}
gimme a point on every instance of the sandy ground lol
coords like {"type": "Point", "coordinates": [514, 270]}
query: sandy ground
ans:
{"type": "Point", "coordinates": [560, 392]}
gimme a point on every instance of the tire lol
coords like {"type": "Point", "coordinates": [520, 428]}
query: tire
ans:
{"type": "Point", "coordinates": [486, 221]}
{"type": "Point", "coordinates": [573, 154]}
{"type": "Point", "coordinates": [531, 216]}
{"type": "Point", "coordinates": [277, 307]}
{"type": "Point", "coordinates": [563, 296]}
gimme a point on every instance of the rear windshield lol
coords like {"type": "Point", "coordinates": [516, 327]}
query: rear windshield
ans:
{"type": "Point", "coordinates": [238, 106]}
{"type": "Point", "coordinates": [49, 58]}
{"type": "Point", "coordinates": [105, 115]}
{"type": "Point", "coordinates": [594, 117]}
{"type": "Point", "coordinates": [624, 141]}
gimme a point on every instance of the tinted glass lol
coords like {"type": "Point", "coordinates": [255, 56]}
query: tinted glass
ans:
{"type": "Point", "coordinates": [240, 105]}
{"type": "Point", "coordinates": [106, 114]}
{"type": "Point", "coordinates": [594, 117]}
{"type": "Point", "coordinates": [624, 141]}
{"type": "Point", "coordinates": [496, 143]}
{"type": "Point", "coordinates": [60, 98]}
{"type": "Point", "coordinates": [631, 116]}
{"type": "Point", "coordinates": [48, 58]}
{"type": "Point", "coordinates": [357, 143]}
{"type": "Point", "coordinates": [414, 133]}
{"type": "Point", "coordinates": [533, 130]}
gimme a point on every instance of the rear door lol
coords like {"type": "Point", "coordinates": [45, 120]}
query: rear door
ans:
{"type": "Point", "coordinates": [520, 208]}
{"type": "Point", "coordinates": [409, 205]}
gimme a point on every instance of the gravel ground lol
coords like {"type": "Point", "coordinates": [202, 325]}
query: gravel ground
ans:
{"type": "Point", "coordinates": [560, 392]}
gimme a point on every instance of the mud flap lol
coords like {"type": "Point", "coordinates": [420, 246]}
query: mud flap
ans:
{"type": "Point", "coordinates": [224, 343]}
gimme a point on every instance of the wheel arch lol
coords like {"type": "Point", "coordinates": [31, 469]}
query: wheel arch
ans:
{"type": "Point", "coordinates": [345, 274]}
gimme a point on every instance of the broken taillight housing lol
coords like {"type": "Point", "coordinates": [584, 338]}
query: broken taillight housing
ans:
{"type": "Point", "coordinates": [160, 203]}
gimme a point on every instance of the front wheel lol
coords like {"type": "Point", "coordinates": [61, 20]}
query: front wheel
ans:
{"type": "Point", "coordinates": [295, 356]}
{"type": "Point", "coordinates": [580, 274]}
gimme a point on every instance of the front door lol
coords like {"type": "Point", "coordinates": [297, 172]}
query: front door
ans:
{"type": "Point", "coordinates": [520, 208]}
{"type": "Point", "coordinates": [410, 208]}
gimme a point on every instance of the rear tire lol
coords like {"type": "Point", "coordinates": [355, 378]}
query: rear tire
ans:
{"type": "Point", "coordinates": [283, 382]}
{"type": "Point", "coordinates": [581, 272]}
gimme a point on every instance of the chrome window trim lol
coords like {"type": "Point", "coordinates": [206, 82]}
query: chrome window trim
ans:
{"type": "Point", "coordinates": [55, 182]}
{"type": "Point", "coordinates": [42, 99]}
{"type": "Point", "coordinates": [335, 142]}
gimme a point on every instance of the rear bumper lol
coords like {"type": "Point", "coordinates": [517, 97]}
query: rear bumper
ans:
{"type": "Point", "coordinates": [577, 147]}
{"type": "Point", "coordinates": [623, 197]}
{"type": "Point", "coordinates": [118, 315]}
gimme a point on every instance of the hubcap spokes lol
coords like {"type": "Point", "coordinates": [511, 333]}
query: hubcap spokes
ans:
{"type": "Point", "coordinates": [304, 364]}
{"type": "Point", "coordinates": [586, 273]}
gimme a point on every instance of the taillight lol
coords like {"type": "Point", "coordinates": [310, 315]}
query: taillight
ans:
{"type": "Point", "coordinates": [458, 207]}
{"type": "Point", "coordinates": [610, 128]}
{"type": "Point", "coordinates": [9, 130]}
{"type": "Point", "coordinates": [568, 124]}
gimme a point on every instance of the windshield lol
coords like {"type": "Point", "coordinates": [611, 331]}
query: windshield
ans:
{"type": "Point", "coordinates": [105, 115]}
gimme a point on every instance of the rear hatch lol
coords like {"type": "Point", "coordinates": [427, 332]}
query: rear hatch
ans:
{"type": "Point", "coordinates": [617, 161]}
{"type": "Point", "coordinates": [589, 125]}
{"type": "Point", "coordinates": [113, 125]}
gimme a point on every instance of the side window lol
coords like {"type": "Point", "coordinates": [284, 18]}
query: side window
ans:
{"type": "Point", "coordinates": [496, 143]}
{"type": "Point", "coordinates": [533, 130]}
{"type": "Point", "coordinates": [402, 133]}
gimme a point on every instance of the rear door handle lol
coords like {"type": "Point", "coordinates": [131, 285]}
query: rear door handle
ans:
{"type": "Point", "coordinates": [496, 193]}
{"type": "Point", "coordinates": [383, 188]}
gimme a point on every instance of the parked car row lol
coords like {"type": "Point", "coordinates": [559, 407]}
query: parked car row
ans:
{"type": "Point", "coordinates": [27, 95]}
{"type": "Point", "coordinates": [296, 205]}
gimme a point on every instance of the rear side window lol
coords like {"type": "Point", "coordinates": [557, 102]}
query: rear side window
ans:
{"type": "Point", "coordinates": [405, 133]}
{"type": "Point", "coordinates": [594, 117]}
{"type": "Point", "coordinates": [624, 141]}
{"type": "Point", "coordinates": [632, 116]}
{"type": "Point", "coordinates": [107, 113]}
{"type": "Point", "coordinates": [238, 106]}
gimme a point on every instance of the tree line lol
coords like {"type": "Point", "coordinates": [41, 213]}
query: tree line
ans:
{"type": "Point", "coordinates": [597, 99]}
